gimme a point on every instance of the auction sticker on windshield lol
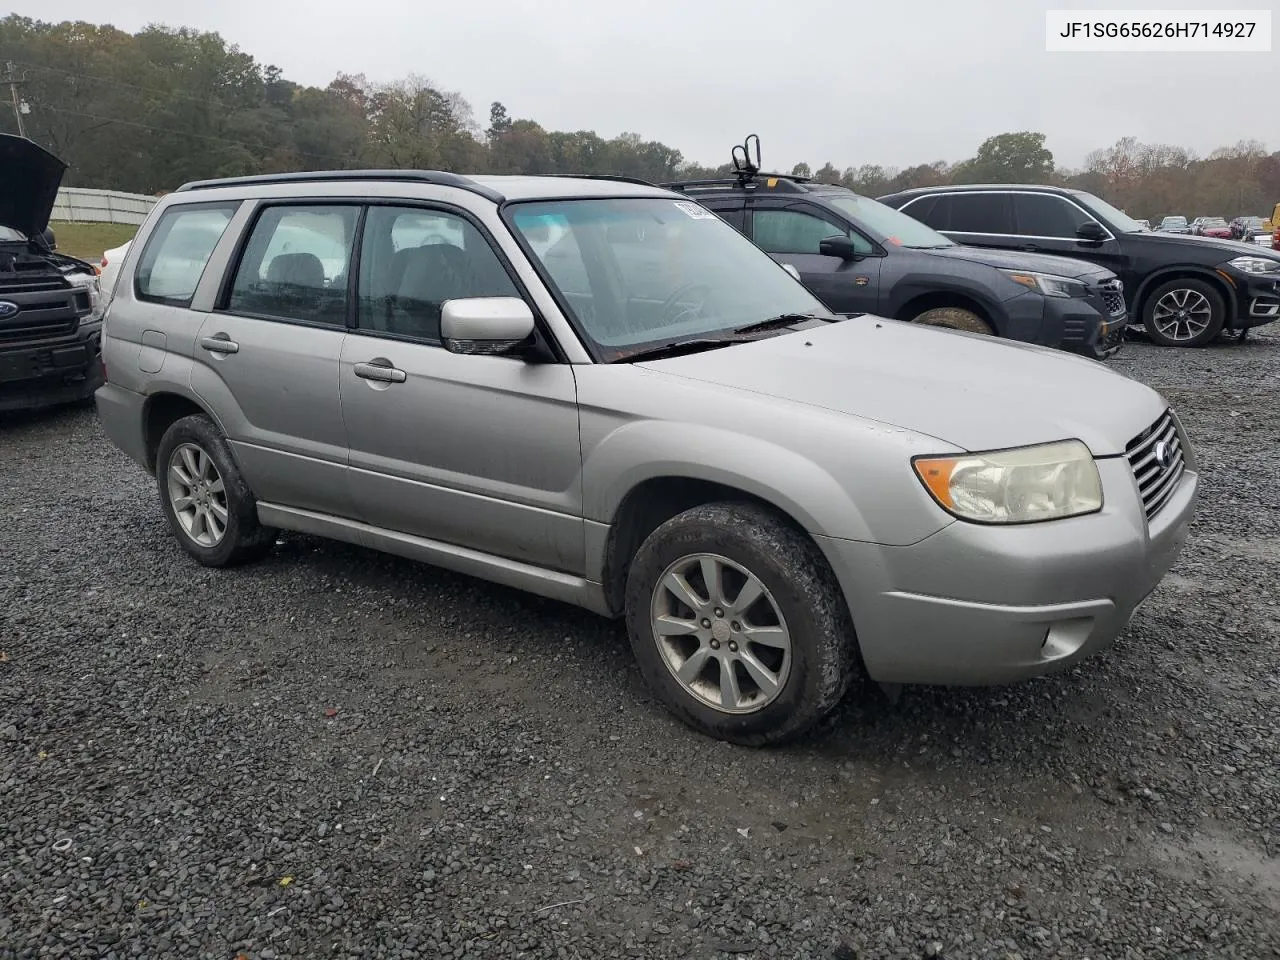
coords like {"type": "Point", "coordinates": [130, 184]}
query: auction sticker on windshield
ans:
{"type": "Point", "coordinates": [694, 210]}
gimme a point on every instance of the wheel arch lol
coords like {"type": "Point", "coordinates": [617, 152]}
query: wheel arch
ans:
{"type": "Point", "coordinates": [933, 299]}
{"type": "Point", "coordinates": [161, 411]}
{"type": "Point", "coordinates": [1184, 272]}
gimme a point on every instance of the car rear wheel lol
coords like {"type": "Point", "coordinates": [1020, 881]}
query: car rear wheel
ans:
{"type": "Point", "coordinates": [1184, 313]}
{"type": "Point", "coordinates": [955, 318]}
{"type": "Point", "coordinates": [206, 501]}
{"type": "Point", "coordinates": [738, 624]}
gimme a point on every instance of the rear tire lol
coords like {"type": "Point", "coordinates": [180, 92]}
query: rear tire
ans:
{"type": "Point", "coordinates": [1184, 313]}
{"type": "Point", "coordinates": [752, 672]}
{"type": "Point", "coordinates": [955, 318]}
{"type": "Point", "coordinates": [210, 508]}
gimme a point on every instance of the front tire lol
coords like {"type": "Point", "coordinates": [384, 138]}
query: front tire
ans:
{"type": "Point", "coordinates": [1184, 313]}
{"type": "Point", "coordinates": [955, 318]}
{"type": "Point", "coordinates": [738, 624]}
{"type": "Point", "coordinates": [209, 507]}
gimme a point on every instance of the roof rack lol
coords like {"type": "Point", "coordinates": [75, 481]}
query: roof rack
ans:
{"type": "Point", "coordinates": [747, 174]}
{"type": "Point", "coordinates": [439, 177]}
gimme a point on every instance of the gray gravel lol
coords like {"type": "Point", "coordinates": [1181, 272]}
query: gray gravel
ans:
{"type": "Point", "coordinates": [336, 753]}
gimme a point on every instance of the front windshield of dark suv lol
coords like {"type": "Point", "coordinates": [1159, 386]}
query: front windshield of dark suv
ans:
{"type": "Point", "coordinates": [887, 224]}
{"type": "Point", "coordinates": [637, 272]}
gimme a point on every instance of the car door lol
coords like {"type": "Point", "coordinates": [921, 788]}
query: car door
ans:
{"type": "Point", "coordinates": [1050, 223]}
{"type": "Point", "coordinates": [266, 358]}
{"type": "Point", "coordinates": [791, 233]}
{"type": "Point", "coordinates": [481, 452]}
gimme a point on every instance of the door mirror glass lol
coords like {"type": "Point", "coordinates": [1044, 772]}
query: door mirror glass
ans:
{"type": "Point", "coordinates": [485, 325]}
{"type": "Point", "coordinates": [791, 270]}
{"type": "Point", "coordinates": [841, 247]}
{"type": "Point", "coordinates": [1091, 231]}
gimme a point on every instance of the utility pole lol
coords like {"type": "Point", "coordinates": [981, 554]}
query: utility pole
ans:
{"type": "Point", "coordinates": [13, 81]}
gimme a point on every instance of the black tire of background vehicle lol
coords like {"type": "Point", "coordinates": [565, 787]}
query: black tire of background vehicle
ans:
{"type": "Point", "coordinates": [245, 538]}
{"type": "Point", "coordinates": [955, 318]}
{"type": "Point", "coordinates": [1218, 309]}
{"type": "Point", "coordinates": [824, 659]}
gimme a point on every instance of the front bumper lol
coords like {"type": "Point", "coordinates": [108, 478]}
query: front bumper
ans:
{"type": "Point", "coordinates": [1090, 326]}
{"type": "Point", "coordinates": [46, 373]}
{"type": "Point", "coordinates": [1257, 300]}
{"type": "Point", "coordinates": [977, 605]}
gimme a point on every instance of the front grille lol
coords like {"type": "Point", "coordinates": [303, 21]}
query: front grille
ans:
{"type": "Point", "coordinates": [1155, 456]}
{"type": "Point", "coordinates": [1113, 297]}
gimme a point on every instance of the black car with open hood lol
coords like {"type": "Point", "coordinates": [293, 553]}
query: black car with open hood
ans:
{"type": "Point", "coordinates": [50, 306]}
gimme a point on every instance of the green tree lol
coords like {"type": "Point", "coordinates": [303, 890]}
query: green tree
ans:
{"type": "Point", "coordinates": [1009, 158]}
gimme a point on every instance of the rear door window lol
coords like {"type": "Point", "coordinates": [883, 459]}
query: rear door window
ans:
{"type": "Point", "coordinates": [179, 249]}
{"type": "Point", "coordinates": [973, 213]}
{"type": "Point", "coordinates": [295, 265]}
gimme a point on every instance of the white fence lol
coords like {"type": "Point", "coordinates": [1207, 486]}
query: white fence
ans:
{"type": "Point", "coordinates": [101, 206]}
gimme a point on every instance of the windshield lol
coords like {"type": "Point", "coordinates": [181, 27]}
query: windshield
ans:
{"type": "Point", "coordinates": [8, 235]}
{"type": "Point", "coordinates": [637, 272]}
{"type": "Point", "coordinates": [1174, 221]}
{"type": "Point", "coordinates": [887, 224]}
{"type": "Point", "coordinates": [1119, 221]}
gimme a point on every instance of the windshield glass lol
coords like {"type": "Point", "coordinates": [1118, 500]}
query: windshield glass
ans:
{"type": "Point", "coordinates": [887, 224]}
{"type": "Point", "coordinates": [1120, 221]}
{"type": "Point", "coordinates": [8, 234]}
{"type": "Point", "coordinates": [636, 272]}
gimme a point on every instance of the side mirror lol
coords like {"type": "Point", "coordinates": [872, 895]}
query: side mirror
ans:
{"type": "Point", "coordinates": [791, 270]}
{"type": "Point", "coordinates": [1091, 231]}
{"type": "Point", "coordinates": [841, 247]}
{"type": "Point", "coordinates": [485, 325]}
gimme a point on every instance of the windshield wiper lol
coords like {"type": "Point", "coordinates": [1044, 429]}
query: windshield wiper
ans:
{"type": "Point", "coordinates": [782, 320]}
{"type": "Point", "coordinates": [677, 347]}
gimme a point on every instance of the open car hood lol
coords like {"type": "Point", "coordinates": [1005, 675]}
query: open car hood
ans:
{"type": "Point", "coordinates": [29, 181]}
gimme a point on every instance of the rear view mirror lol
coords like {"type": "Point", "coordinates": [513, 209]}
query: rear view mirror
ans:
{"type": "Point", "coordinates": [485, 325]}
{"type": "Point", "coordinates": [841, 247]}
{"type": "Point", "coordinates": [1091, 231]}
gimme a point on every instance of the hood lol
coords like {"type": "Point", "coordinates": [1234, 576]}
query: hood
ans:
{"type": "Point", "coordinates": [970, 391]}
{"type": "Point", "coordinates": [1016, 260]}
{"type": "Point", "coordinates": [1231, 248]}
{"type": "Point", "coordinates": [29, 181]}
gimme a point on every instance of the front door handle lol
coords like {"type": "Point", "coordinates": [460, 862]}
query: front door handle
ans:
{"type": "Point", "coordinates": [382, 372]}
{"type": "Point", "coordinates": [220, 344]}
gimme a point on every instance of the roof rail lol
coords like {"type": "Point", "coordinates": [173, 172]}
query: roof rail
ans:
{"type": "Point", "coordinates": [779, 182]}
{"type": "Point", "coordinates": [600, 176]}
{"type": "Point", "coordinates": [438, 177]}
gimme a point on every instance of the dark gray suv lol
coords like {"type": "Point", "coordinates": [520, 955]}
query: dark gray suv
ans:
{"type": "Point", "coordinates": [859, 256]}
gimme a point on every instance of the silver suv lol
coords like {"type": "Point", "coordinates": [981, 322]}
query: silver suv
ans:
{"type": "Point", "coordinates": [600, 392]}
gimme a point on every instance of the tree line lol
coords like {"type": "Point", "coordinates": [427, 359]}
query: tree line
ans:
{"type": "Point", "coordinates": [147, 111]}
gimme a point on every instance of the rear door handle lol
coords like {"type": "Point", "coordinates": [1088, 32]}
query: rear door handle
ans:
{"type": "Point", "coordinates": [220, 344]}
{"type": "Point", "coordinates": [382, 372]}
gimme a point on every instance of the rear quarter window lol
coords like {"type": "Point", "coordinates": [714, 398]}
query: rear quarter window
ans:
{"type": "Point", "coordinates": [178, 251]}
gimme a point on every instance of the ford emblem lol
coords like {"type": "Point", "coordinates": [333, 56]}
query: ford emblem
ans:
{"type": "Point", "coordinates": [8, 309]}
{"type": "Point", "coordinates": [1164, 453]}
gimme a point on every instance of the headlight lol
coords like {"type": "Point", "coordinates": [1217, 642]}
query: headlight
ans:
{"type": "Point", "coordinates": [1255, 265]}
{"type": "Point", "coordinates": [1048, 284]}
{"type": "Point", "coordinates": [1024, 485]}
{"type": "Point", "coordinates": [94, 289]}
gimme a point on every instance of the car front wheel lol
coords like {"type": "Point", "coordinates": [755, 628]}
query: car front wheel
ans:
{"type": "Point", "coordinates": [1184, 313]}
{"type": "Point", "coordinates": [955, 318]}
{"type": "Point", "coordinates": [738, 624]}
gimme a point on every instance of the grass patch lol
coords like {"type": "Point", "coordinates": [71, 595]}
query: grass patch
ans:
{"type": "Point", "coordinates": [87, 241]}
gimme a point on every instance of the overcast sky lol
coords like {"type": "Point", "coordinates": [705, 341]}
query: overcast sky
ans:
{"type": "Point", "coordinates": [895, 82]}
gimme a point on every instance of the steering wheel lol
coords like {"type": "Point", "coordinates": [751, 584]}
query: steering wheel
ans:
{"type": "Point", "coordinates": [669, 314]}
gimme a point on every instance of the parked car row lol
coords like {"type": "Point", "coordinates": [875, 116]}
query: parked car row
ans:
{"type": "Point", "coordinates": [598, 390]}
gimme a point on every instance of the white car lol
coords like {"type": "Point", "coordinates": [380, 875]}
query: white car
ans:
{"type": "Point", "coordinates": [110, 267]}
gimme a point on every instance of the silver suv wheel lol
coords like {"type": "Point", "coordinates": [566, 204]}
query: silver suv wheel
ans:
{"type": "Point", "coordinates": [197, 495]}
{"type": "Point", "coordinates": [721, 633]}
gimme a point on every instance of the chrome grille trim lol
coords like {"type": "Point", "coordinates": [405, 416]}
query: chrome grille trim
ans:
{"type": "Point", "coordinates": [1156, 481]}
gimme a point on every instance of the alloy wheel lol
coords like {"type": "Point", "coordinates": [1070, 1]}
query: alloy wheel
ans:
{"type": "Point", "coordinates": [197, 494]}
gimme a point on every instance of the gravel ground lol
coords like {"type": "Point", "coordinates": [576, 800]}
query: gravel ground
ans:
{"type": "Point", "coordinates": [337, 753]}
